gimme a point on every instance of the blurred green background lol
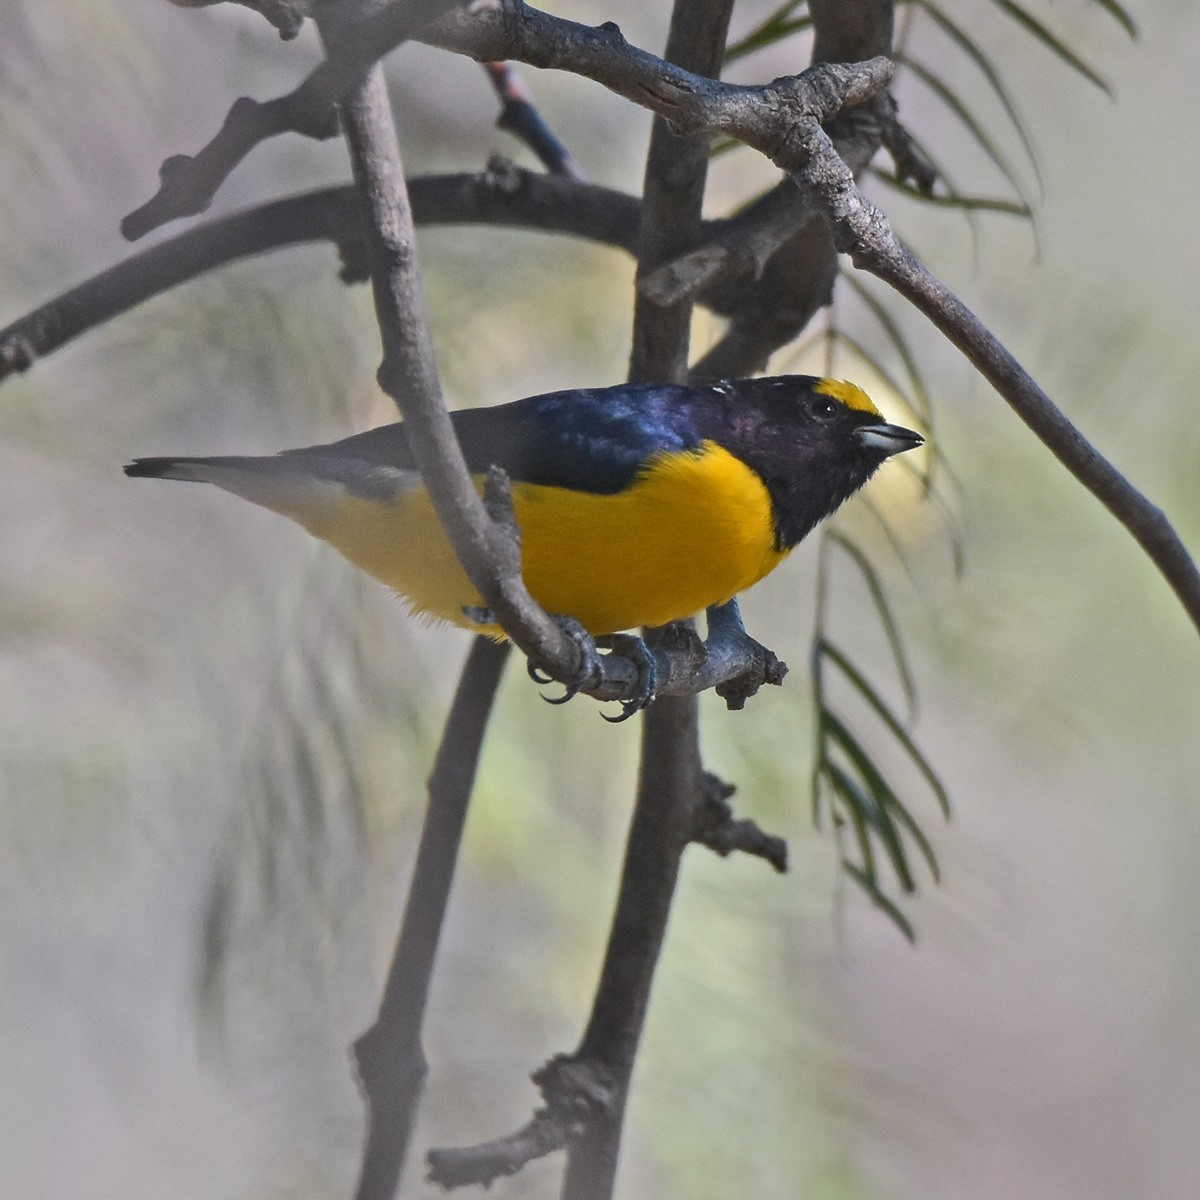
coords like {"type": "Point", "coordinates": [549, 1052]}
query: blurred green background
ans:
{"type": "Point", "coordinates": [214, 736]}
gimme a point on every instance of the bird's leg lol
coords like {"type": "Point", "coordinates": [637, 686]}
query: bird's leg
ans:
{"type": "Point", "coordinates": [726, 635]}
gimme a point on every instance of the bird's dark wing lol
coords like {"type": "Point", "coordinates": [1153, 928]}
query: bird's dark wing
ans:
{"type": "Point", "coordinates": [592, 440]}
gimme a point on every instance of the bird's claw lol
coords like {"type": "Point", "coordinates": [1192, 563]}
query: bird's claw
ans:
{"type": "Point", "coordinates": [590, 669]}
{"type": "Point", "coordinates": [635, 649]}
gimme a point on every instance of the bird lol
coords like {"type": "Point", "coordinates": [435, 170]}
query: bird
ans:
{"type": "Point", "coordinates": [639, 504]}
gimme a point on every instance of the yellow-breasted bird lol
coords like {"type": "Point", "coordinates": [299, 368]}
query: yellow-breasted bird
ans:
{"type": "Point", "coordinates": [639, 504]}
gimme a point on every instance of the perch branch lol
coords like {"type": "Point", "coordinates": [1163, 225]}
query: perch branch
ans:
{"type": "Point", "coordinates": [783, 120]}
{"type": "Point", "coordinates": [585, 1093]}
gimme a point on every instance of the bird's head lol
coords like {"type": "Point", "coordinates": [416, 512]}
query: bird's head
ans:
{"type": "Point", "coordinates": [813, 441]}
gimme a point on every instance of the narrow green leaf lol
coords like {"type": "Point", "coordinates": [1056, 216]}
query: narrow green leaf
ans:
{"type": "Point", "coordinates": [874, 363]}
{"type": "Point", "coordinates": [895, 335]}
{"type": "Point", "coordinates": [1120, 15]}
{"type": "Point", "coordinates": [948, 183]}
{"type": "Point", "coordinates": [864, 807]}
{"type": "Point", "coordinates": [885, 714]}
{"type": "Point", "coordinates": [888, 907]}
{"type": "Point", "coordinates": [838, 780]}
{"type": "Point", "coordinates": [962, 39]}
{"type": "Point", "coordinates": [875, 800]}
{"type": "Point", "coordinates": [965, 203]}
{"type": "Point", "coordinates": [883, 608]}
{"type": "Point", "coordinates": [955, 104]}
{"type": "Point", "coordinates": [1052, 42]}
{"type": "Point", "coordinates": [885, 526]}
{"type": "Point", "coordinates": [900, 811]}
{"type": "Point", "coordinates": [777, 25]}
{"type": "Point", "coordinates": [958, 547]}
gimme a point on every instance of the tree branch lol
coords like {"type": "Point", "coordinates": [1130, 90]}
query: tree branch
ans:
{"type": "Point", "coordinates": [669, 782]}
{"type": "Point", "coordinates": [677, 802]}
{"type": "Point", "coordinates": [783, 120]}
{"type": "Point", "coordinates": [285, 15]}
{"type": "Point", "coordinates": [390, 1059]}
{"type": "Point", "coordinates": [862, 231]}
{"type": "Point", "coordinates": [504, 194]}
{"type": "Point", "coordinates": [511, 30]}
{"type": "Point", "coordinates": [189, 183]}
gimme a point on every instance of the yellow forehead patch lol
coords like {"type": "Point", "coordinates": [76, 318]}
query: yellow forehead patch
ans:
{"type": "Point", "coordinates": [850, 394]}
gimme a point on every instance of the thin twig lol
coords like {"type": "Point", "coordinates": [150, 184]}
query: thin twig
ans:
{"type": "Point", "coordinates": [863, 232]}
{"type": "Point", "coordinates": [189, 183]}
{"type": "Point", "coordinates": [390, 1058]}
{"type": "Point", "coordinates": [724, 834]}
{"type": "Point", "coordinates": [520, 117]}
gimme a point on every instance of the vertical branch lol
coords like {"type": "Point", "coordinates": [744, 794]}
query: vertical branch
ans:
{"type": "Point", "coordinates": [668, 799]}
{"type": "Point", "coordinates": [390, 1058]}
{"type": "Point", "coordinates": [664, 821]}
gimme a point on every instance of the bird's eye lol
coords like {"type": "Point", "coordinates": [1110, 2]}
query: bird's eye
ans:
{"type": "Point", "coordinates": [822, 409]}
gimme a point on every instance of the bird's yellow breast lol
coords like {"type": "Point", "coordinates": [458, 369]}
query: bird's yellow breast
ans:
{"type": "Point", "coordinates": [693, 529]}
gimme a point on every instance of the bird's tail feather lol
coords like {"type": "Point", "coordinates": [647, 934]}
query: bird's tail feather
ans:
{"type": "Point", "coordinates": [195, 470]}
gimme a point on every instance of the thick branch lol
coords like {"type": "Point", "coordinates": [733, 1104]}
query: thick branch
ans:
{"type": "Point", "coordinates": [844, 31]}
{"type": "Point", "coordinates": [668, 792]}
{"type": "Point", "coordinates": [511, 30]}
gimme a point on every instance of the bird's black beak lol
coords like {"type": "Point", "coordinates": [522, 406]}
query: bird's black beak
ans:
{"type": "Point", "coordinates": [888, 439]}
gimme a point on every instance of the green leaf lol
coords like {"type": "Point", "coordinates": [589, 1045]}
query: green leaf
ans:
{"type": "Point", "coordinates": [876, 365]}
{"type": "Point", "coordinates": [972, 50]}
{"type": "Point", "coordinates": [776, 26]}
{"type": "Point", "coordinates": [876, 801]}
{"type": "Point", "coordinates": [883, 608]}
{"type": "Point", "coordinates": [895, 335]}
{"type": "Point", "coordinates": [885, 714]}
{"type": "Point", "coordinates": [1120, 15]}
{"type": "Point", "coordinates": [972, 204]}
{"type": "Point", "coordinates": [958, 547]}
{"type": "Point", "coordinates": [900, 811]}
{"type": "Point", "coordinates": [843, 785]}
{"type": "Point", "coordinates": [947, 181]}
{"type": "Point", "coordinates": [882, 902]}
{"type": "Point", "coordinates": [954, 103]}
{"type": "Point", "coordinates": [1053, 43]}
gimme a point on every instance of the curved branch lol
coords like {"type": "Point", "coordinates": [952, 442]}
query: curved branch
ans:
{"type": "Point", "coordinates": [512, 30]}
{"type": "Point", "coordinates": [502, 195]}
